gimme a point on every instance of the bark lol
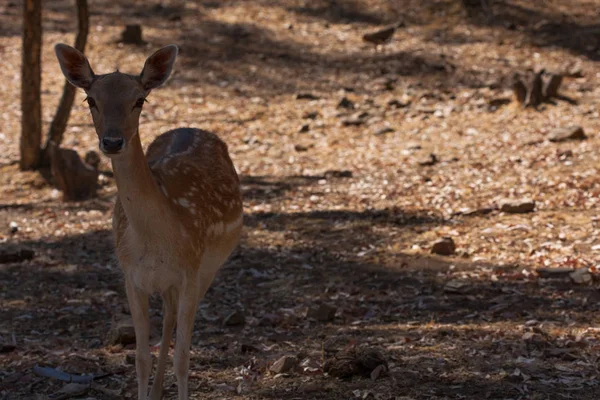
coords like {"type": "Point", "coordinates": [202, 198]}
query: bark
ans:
{"type": "Point", "coordinates": [61, 118]}
{"type": "Point", "coordinates": [31, 77]}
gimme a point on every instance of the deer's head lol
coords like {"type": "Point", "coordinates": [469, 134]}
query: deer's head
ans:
{"type": "Point", "coordinates": [115, 99]}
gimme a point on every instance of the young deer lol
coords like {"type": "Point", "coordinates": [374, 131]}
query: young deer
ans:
{"type": "Point", "coordinates": [178, 213]}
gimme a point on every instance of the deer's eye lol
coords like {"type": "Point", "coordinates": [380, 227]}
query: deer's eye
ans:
{"type": "Point", "coordinates": [140, 102]}
{"type": "Point", "coordinates": [91, 102]}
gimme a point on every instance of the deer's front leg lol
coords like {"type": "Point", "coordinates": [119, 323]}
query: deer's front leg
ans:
{"type": "Point", "coordinates": [170, 298]}
{"type": "Point", "coordinates": [138, 305]}
{"type": "Point", "coordinates": [188, 303]}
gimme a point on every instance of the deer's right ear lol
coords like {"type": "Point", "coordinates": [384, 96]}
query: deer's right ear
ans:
{"type": "Point", "coordinates": [74, 66]}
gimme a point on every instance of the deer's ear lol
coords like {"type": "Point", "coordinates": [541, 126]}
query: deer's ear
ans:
{"type": "Point", "coordinates": [158, 67]}
{"type": "Point", "coordinates": [74, 66]}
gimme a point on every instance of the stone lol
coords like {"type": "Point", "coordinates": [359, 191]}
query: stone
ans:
{"type": "Point", "coordinates": [456, 286]}
{"type": "Point", "coordinates": [395, 103]}
{"type": "Point", "coordinates": [306, 96]}
{"type": "Point", "coordinates": [7, 348]}
{"type": "Point", "coordinates": [323, 312]}
{"type": "Point", "coordinates": [355, 119]}
{"type": "Point", "coordinates": [567, 133]}
{"type": "Point", "coordinates": [444, 247]}
{"type": "Point", "coordinates": [236, 318]}
{"type": "Point", "coordinates": [284, 364]}
{"type": "Point", "coordinates": [304, 128]}
{"type": "Point", "coordinates": [300, 148]}
{"type": "Point", "coordinates": [517, 206]}
{"type": "Point", "coordinates": [310, 115]}
{"type": "Point", "coordinates": [428, 161]}
{"type": "Point", "coordinates": [16, 255]}
{"type": "Point", "coordinates": [384, 130]}
{"type": "Point", "coordinates": [122, 332]}
{"type": "Point", "coordinates": [346, 103]}
{"type": "Point", "coordinates": [560, 272]}
{"type": "Point", "coordinates": [380, 36]}
{"type": "Point", "coordinates": [581, 276]}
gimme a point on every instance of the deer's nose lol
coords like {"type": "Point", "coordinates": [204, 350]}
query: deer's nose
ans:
{"type": "Point", "coordinates": [111, 145]}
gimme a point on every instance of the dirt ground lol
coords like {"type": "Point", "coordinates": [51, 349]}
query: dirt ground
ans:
{"type": "Point", "coordinates": [339, 208]}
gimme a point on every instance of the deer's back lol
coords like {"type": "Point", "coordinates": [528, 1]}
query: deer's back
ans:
{"type": "Point", "coordinates": [194, 171]}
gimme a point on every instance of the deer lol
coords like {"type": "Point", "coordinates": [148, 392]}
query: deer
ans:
{"type": "Point", "coordinates": [178, 212]}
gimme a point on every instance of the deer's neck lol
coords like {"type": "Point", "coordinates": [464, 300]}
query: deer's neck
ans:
{"type": "Point", "coordinates": [138, 191]}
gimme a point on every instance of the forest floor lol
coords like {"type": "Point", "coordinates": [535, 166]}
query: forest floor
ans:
{"type": "Point", "coordinates": [342, 206]}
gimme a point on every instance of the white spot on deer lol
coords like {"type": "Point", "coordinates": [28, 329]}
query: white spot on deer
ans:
{"type": "Point", "coordinates": [184, 202]}
{"type": "Point", "coordinates": [164, 189]}
{"type": "Point", "coordinates": [216, 228]}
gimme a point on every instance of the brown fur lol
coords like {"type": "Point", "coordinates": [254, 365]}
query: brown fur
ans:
{"type": "Point", "coordinates": [178, 214]}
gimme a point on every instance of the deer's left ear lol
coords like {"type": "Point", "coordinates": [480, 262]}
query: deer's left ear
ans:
{"type": "Point", "coordinates": [158, 67]}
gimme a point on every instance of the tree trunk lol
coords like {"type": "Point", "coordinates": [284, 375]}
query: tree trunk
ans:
{"type": "Point", "coordinates": [31, 78]}
{"type": "Point", "coordinates": [59, 123]}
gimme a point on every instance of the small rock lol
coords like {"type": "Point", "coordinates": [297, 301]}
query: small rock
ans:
{"type": "Point", "coordinates": [248, 348]}
{"type": "Point", "coordinates": [122, 332]}
{"type": "Point", "coordinates": [306, 96]}
{"type": "Point", "coordinates": [322, 313]}
{"type": "Point", "coordinates": [568, 133]}
{"type": "Point", "coordinates": [284, 364]}
{"type": "Point", "coordinates": [563, 155]}
{"type": "Point", "coordinates": [377, 372]}
{"type": "Point", "coordinates": [444, 247]}
{"type": "Point", "coordinates": [236, 318]}
{"type": "Point", "coordinates": [13, 256]}
{"type": "Point", "coordinates": [95, 344]}
{"type": "Point", "coordinates": [300, 148]}
{"type": "Point", "coordinates": [356, 119]}
{"type": "Point", "coordinates": [561, 272]}
{"type": "Point", "coordinates": [14, 227]}
{"type": "Point", "coordinates": [517, 206]}
{"type": "Point", "coordinates": [456, 286]}
{"type": "Point", "coordinates": [346, 103]}
{"type": "Point", "coordinates": [310, 115]}
{"type": "Point", "coordinates": [428, 161]}
{"type": "Point", "coordinates": [334, 173]}
{"type": "Point", "coordinates": [384, 130]}
{"type": "Point", "coordinates": [380, 36]}
{"type": "Point", "coordinates": [304, 128]}
{"type": "Point", "coordinates": [383, 83]}
{"type": "Point", "coordinates": [7, 348]}
{"type": "Point", "coordinates": [394, 103]}
{"type": "Point", "coordinates": [581, 276]}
